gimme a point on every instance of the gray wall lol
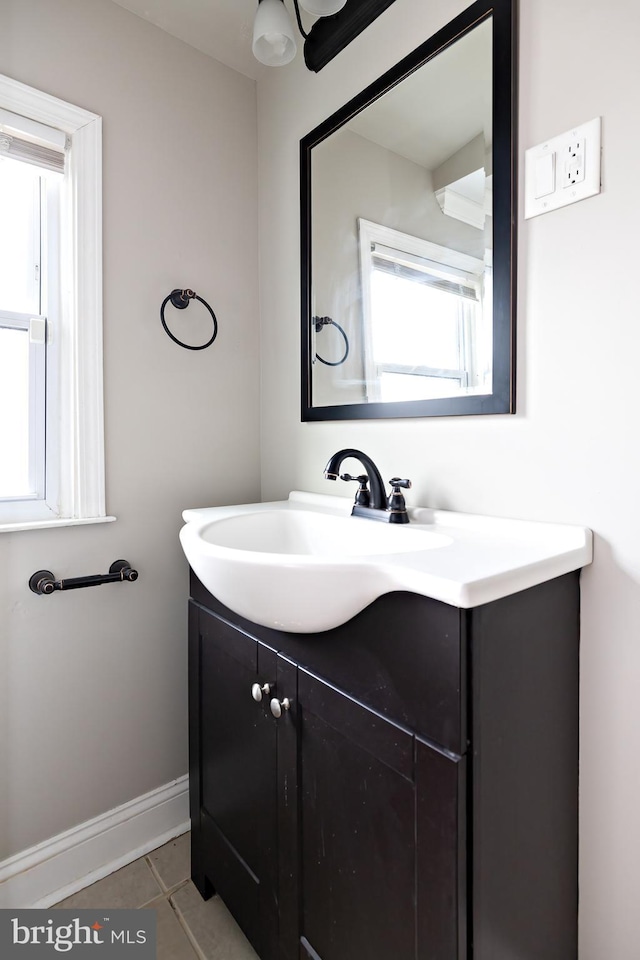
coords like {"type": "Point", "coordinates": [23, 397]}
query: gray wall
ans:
{"type": "Point", "coordinates": [93, 682]}
{"type": "Point", "coordinates": [571, 452]}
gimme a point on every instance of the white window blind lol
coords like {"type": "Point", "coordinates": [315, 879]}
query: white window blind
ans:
{"type": "Point", "coordinates": [32, 142]}
{"type": "Point", "coordinates": [422, 270]}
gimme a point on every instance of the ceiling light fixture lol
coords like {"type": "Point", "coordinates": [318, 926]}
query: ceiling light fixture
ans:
{"type": "Point", "coordinates": [339, 22]}
{"type": "Point", "coordinates": [274, 41]}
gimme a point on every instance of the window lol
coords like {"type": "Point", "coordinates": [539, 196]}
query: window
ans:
{"type": "Point", "coordinates": [51, 417]}
{"type": "Point", "coordinates": [426, 335]}
{"type": "Point", "coordinates": [25, 197]}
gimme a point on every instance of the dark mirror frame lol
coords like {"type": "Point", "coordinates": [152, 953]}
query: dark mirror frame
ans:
{"type": "Point", "coordinates": [504, 70]}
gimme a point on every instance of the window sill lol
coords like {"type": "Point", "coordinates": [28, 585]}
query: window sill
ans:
{"type": "Point", "coordinates": [45, 524]}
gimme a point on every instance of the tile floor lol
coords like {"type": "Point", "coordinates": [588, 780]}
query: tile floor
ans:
{"type": "Point", "coordinates": [189, 928]}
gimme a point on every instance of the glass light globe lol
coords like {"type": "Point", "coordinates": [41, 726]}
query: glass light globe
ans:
{"type": "Point", "coordinates": [322, 8]}
{"type": "Point", "coordinates": [273, 37]}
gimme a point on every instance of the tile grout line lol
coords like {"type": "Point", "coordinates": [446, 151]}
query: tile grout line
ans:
{"type": "Point", "coordinates": [190, 936]}
{"type": "Point", "coordinates": [155, 874]}
{"type": "Point", "coordinates": [178, 886]}
{"type": "Point", "coordinates": [164, 894]}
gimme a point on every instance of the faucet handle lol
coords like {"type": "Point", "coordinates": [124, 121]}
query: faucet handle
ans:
{"type": "Point", "coordinates": [362, 496]}
{"type": "Point", "coordinates": [396, 505]}
{"type": "Point", "coordinates": [396, 483]}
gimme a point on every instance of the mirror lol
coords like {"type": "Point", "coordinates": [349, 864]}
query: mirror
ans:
{"type": "Point", "coordinates": [408, 234]}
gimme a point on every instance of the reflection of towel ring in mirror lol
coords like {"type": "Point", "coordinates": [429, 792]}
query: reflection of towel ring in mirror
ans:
{"type": "Point", "coordinates": [180, 299]}
{"type": "Point", "coordinates": [321, 322]}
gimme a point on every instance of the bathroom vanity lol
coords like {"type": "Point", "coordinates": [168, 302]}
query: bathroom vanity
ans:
{"type": "Point", "coordinates": [416, 797]}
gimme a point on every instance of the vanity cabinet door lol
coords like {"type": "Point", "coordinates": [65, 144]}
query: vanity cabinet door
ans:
{"type": "Point", "coordinates": [236, 808]}
{"type": "Point", "coordinates": [367, 789]}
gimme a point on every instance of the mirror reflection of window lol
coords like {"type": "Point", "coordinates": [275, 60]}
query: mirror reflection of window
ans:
{"type": "Point", "coordinates": [425, 329]}
{"type": "Point", "coordinates": [430, 323]}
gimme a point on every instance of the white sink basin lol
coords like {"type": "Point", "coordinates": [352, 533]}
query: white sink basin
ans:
{"type": "Point", "coordinates": [305, 565]}
{"type": "Point", "coordinates": [303, 534]}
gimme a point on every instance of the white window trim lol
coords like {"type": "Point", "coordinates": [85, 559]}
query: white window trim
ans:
{"type": "Point", "coordinates": [81, 494]}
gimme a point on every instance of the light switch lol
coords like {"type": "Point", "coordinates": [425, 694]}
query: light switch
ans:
{"type": "Point", "coordinates": [545, 175]}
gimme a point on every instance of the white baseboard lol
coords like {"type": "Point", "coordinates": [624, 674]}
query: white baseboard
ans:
{"type": "Point", "coordinates": [55, 869]}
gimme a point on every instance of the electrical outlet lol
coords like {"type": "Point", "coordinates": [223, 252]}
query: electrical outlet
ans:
{"type": "Point", "coordinates": [563, 170]}
{"type": "Point", "coordinates": [574, 163]}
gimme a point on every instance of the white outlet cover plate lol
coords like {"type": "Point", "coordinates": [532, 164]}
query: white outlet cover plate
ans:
{"type": "Point", "coordinates": [561, 195]}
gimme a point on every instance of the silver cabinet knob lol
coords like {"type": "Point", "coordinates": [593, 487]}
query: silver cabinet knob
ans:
{"type": "Point", "coordinates": [257, 691]}
{"type": "Point", "coordinates": [277, 706]}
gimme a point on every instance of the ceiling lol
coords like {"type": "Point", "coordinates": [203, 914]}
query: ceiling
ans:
{"type": "Point", "coordinates": [451, 96]}
{"type": "Point", "coordinates": [223, 29]}
{"type": "Point", "coordinates": [439, 108]}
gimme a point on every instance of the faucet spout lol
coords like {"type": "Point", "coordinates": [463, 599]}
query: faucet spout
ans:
{"type": "Point", "coordinates": [378, 498]}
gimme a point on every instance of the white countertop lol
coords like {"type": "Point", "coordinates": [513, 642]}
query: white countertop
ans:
{"type": "Point", "coordinates": [476, 560]}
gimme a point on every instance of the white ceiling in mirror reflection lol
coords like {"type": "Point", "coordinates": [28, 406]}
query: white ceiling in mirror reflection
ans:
{"type": "Point", "coordinates": [444, 105]}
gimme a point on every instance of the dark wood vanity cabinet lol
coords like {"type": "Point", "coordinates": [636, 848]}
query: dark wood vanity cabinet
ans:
{"type": "Point", "coordinates": [417, 800]}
